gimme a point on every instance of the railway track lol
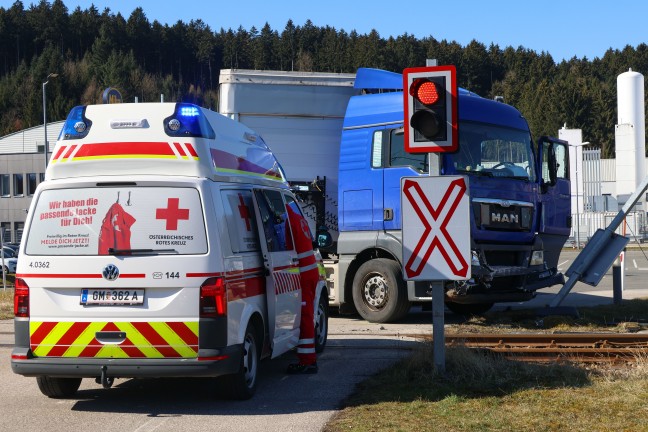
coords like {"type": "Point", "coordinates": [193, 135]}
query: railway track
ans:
{"type": "Point", "coordinates": [575, 347]}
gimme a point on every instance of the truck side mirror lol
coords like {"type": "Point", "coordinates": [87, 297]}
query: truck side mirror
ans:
{"type": "Point", "coordinates": [324, 238]}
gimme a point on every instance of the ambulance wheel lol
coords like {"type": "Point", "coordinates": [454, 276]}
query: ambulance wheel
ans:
{"type": "Point", "coordinates": [469, 309]}
{"type": "Point", "coordinates": [379, 291]}
{"type": "Point", "coordinates": [58, 387]}
{"type": "Point", "coordinates": [242, 384]}
{"type": "Point", "coordinates": [321, 323]}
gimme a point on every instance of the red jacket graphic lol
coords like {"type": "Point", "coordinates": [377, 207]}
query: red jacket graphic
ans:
{"type": "Point", "coordinates": [115, 229]}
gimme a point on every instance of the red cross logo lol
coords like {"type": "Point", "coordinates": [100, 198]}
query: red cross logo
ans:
{"type": "Point", "coordinates": [436, 233]}
{"type": "Point", "coordinates": [173, 213]}
{"type": "Point", "coordinates": [244, 211]}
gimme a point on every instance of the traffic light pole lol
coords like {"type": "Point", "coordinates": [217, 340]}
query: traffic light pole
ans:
{"type": "Point", "coordinates": [438, 296]}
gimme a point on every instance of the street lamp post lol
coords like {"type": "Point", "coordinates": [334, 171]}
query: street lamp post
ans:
{"type": "Point", "coordinates": [52, 75]}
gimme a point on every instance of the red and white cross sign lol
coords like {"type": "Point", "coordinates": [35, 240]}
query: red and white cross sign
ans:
{"type": "Point", "coordinates": [172, 213]}
{"type": "Point", "coordinates": [436, 228]}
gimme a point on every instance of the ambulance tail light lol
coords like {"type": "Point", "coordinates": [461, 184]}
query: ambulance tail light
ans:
{"type": "Point", "coordinates": [21, 299]}
{"type": "Point", "coordinates": [76, 125]}
{"type": "Point", "coordinates": [213, 298]}
{"type": "Point", "coordinates": [188, 120]}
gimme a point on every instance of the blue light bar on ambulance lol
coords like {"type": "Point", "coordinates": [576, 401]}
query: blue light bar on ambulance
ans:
{"type": "Point", "coordinates": [188, 120]}
{"type": "Point", "coordinates": [76, 125]}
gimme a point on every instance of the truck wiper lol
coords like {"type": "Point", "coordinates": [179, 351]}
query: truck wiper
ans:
{"type": "Point", "coordinates": [478, 173]}
{"type": "Point", "coordinates": [113, 251]}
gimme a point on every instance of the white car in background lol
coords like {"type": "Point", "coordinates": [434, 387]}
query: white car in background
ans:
{"type": "Point", "coordinates": [10, 265]}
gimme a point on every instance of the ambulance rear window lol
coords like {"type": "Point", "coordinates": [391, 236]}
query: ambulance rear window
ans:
{"type": "Point", "coordinates": [117, 221]}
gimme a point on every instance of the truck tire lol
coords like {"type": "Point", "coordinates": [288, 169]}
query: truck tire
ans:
{"type": "Point", "coordinates": [242, 384]}
{"type": "Point", "coordinates": [379, 291]}
{"type": "Point", "coordinates": [469, 309]}
{"type": "Point", "coordinates": [58, 387]}
{"type": "Point", "coordinates": [321, 323]}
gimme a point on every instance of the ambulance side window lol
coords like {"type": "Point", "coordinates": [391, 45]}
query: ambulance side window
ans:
{"type": "Point", "coordinates": [274, 219]}
{"type": "Point", "coordinates": [241, 223]}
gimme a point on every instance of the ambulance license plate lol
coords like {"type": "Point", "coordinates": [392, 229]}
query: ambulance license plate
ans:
{"type": "Point", "coordinates": [110, 297]}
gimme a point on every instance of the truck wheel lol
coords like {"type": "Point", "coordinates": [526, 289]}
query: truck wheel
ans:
{"type": "Point", "coordinates": [242, 384]}
{"type": "Point", "coordinates": [58, 387]}
{"type": "Point", "coordinates": [321, 323]}
{"type": "Point", "coordinates": [469, 309]}
{"type": "Point", "coordinates": [379, 291]}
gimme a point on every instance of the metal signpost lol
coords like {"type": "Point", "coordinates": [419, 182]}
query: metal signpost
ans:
{"type": "Point", "coordinates": [435, 210]}
{"type": "Point", "coordinates": [436, 240]}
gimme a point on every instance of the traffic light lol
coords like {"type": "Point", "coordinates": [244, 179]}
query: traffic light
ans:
{"type": "Point", "coordinates": [430, 106]}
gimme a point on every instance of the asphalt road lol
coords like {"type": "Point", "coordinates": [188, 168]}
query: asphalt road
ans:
{"type": "Point", "coordinates": [282, 403]}
{"type": "Point", "coordinates": [356, 350]}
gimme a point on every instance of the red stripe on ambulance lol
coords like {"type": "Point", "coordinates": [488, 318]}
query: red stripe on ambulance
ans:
{"type": "Point", "coordinates": [185, 333]}
{"type": "Point", "coordinates": [68, 339]}
{"type": "Point", "coordinates": [41, 333]}
{"type": "Point", "coordinates": [155, 339]}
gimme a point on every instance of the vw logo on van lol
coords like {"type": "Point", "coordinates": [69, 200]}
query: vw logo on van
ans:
{"type": "Point", "coordinates": [110, 272]}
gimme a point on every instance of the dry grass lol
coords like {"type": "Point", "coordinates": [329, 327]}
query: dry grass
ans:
{"type": "Point", "coordinates": [483, 392]}
{"type": "Point", "coordinates": [6, 302]}
{"type": "Point", "coordinates": [630, 315]}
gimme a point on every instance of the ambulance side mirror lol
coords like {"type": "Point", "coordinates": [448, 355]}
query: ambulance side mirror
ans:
{"type": "Point", "coordinates": [324, 238]}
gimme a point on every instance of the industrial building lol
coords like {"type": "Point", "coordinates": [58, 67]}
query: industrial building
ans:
{"type": "Point", "coordinates": [22, 168]}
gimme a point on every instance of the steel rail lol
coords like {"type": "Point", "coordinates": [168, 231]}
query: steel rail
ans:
{"type": "Point", "coordinates": [576, 347]}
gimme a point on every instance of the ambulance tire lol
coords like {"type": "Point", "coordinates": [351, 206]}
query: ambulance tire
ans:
{"type": "Point", "coordinates": [58, 388]}
{"type": "Point", "coordinates": [321, 323]}
{"type": "Point", "coordinates": [380, 292]}
{"type": "Point", "coordinates": [242, 385]}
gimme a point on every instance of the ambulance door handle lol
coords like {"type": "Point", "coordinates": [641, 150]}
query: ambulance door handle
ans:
{"type": "Point", "coordinates": [295, 261]}
{"type": "Point", "coordinates": [266, 265]}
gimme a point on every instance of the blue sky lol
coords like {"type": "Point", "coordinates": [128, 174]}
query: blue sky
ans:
{"type": "Point", "coordinates": [564, 28]}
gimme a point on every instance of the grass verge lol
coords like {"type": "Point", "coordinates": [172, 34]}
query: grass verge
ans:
{"type": "Point", "coordinates": [481, 391]}
{"type": "Point", "coordinates": [484, 392]}
{"type": "Point", "coordinates": [6, 301]}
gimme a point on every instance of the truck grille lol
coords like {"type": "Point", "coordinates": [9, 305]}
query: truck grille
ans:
{"type": "Point", "coordinates": [502, 215]}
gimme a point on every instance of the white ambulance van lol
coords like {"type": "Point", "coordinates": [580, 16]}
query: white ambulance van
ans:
{"type": "Point", "coordinates": [157, 247]}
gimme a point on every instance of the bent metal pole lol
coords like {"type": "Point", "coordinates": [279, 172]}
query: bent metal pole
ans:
{"type": "Point", "coordinates": [597, 244]}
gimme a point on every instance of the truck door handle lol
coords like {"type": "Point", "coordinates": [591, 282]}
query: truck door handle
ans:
{"type": "Point", "coordinates": [388, 214]}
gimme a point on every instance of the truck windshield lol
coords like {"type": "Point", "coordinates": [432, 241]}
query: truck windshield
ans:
{"type": "Point", "coordinates": [494, 151]}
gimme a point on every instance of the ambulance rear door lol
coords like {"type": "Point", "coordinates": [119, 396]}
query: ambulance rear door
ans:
{"type": "Point", "coordinates": [281, 268]}
{"type": "Point", "coordinates": [114, 269]}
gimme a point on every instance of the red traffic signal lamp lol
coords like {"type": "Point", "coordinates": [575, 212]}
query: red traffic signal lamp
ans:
{"type": "Point", "coordinates": [430, 107]}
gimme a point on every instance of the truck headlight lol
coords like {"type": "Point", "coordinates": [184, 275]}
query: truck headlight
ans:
{"type": "Point", "coordinates": [537, 258]}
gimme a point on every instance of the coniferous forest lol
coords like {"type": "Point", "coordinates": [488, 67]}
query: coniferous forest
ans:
{"type": "Point", "coordinates": [91, 50]}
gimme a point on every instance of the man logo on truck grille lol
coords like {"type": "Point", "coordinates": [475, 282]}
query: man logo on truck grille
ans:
{"type": "Point", "coordinates": [110, 272]}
